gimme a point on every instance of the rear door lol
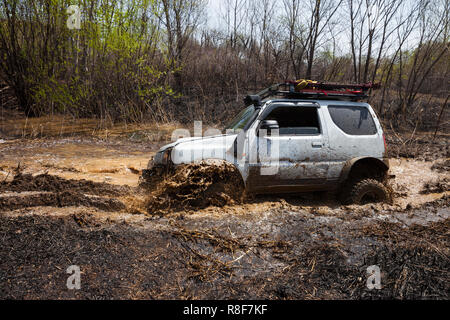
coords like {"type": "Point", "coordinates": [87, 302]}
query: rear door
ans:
{"type": "Point", "coordinates": [354, 132]}
{"type": "Point", "coordinates": [298, 155]}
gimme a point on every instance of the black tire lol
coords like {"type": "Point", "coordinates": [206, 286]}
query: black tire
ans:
{"type": "Point", "coordinates": [365, 191]}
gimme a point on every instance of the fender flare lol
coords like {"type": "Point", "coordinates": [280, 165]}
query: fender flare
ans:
{"type": "Point", "coordinates": [383, 164]}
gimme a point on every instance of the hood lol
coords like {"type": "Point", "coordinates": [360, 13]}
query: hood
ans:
{"type": "Point", "coordinates": [221, 139]}
{"type": "Point", "coordinates": [188, 150]}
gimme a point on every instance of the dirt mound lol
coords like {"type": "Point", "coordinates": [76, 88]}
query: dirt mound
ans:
{"type": "Point", "coordinates": [61, 199]}
{"type": "Point", "coordinates": [196, 186]}
{"type": "Point", "coordinates": [49, 183]}
{"type": "Point", "coordinates": [44, 190]}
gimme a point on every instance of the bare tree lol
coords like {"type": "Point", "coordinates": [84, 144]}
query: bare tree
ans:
{"type": "Point", "coordinates": [180, 19]}
{"type": "Point", "coordinates": [431, 48]}
{"type": "Point", "coordinates": [305, 29]}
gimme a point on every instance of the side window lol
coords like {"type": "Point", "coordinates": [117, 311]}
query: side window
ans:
{"type": "Point", "coordinates": [296, 120]}
{"type": "Point", "coordinates": [354, 120]}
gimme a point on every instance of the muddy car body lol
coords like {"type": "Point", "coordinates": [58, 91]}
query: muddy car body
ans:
{"type": "Point", "coordinates": [292, 145]}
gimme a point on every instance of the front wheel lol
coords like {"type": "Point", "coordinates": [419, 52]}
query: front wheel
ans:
{"type": "Point", "coordinates": [365, 191]}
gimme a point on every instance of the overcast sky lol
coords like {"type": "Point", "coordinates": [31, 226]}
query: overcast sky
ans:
{"type": "Point", "coordinates": [216, 22]}
{"type": "Point", "coordinates": [213, 12]}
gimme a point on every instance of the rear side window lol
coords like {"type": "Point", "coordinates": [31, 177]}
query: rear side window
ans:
{"type": "Point", "coordinates": [354, 120]}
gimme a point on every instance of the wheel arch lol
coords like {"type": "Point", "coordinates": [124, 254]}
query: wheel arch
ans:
{"type": "Point", "coordinates": [368, 167]}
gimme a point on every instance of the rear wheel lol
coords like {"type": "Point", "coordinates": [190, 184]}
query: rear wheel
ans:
{"type": "Point", "coordinates": [364, 191]}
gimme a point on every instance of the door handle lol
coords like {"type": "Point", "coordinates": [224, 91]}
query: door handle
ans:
{"type": "Point", "coordinates": [317, 144]}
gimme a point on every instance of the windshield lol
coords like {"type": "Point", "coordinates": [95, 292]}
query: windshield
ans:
{"type": "Point", "coordinates": [240, 121]}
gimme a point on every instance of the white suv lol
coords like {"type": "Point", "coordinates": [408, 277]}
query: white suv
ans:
{"type": "Point", "coordinates": [294, 145]}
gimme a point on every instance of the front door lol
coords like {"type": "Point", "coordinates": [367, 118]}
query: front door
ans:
{"type": "Point", "coordinates": [295, 157]}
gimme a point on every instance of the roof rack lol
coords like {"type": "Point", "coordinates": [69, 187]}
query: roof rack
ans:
{"type": "Point", "coordinates": [308, 89]}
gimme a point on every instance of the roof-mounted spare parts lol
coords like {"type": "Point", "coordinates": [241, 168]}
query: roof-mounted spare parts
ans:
{"type": "Point", "coordinates": [309, 89]}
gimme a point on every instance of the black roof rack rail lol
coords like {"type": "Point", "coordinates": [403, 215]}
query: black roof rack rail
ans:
{"type": "Point", "coordinates": [308, 89]}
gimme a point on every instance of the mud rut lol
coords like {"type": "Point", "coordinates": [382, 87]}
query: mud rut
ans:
{"type": "Point", "coordinates": [190, 187]}
{"type": "Point", "coordinates": [26, 190]}
{"type": "Point", "coordinates": [184, 238]}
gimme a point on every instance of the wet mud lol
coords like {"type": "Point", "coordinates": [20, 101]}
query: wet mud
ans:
{"type": "Point", "coordinates": [285, 255]}
{"type": "Point", "coordinates": [194, 236]}
{"type": "Point", "coordinates": [26, 190]}
{"type": "Point", "coordinates": [439, 186]}
{"type": "Point", "coordinates": [442, 166]}
{"type": "Point", "coordinates": [59, 199]}
{"type": "Point", "coordinates": [49, 183]}
{"type": "Point", "coordinates": [197, 186]}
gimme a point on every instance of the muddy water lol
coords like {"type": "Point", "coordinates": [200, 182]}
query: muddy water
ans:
{"type": "Point", "coordinates": [119, 163]}
{"type": "Point", "coordinates": [279, 247]}
{"type": "Point", "coordinates": [411, 176]}
{"type": "Point", "coordinates": [77, 159]}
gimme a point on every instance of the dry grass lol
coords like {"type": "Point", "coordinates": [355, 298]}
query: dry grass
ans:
{"type": "Point", "coordinates": [15, 125]}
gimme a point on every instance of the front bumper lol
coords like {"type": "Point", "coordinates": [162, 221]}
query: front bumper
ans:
{"type": "Point", "coordinates": [159, 165]}
{"type": "Point", "coordinates": [161, 159]}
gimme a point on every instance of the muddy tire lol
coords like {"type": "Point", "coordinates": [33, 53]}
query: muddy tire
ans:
{"type": "Point", "coordinates": [365, 191]}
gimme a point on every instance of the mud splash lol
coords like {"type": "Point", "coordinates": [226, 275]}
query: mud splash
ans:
{"type": "Point", "coordinates": [197, 186]}
{"type": "Point", "coordinates": [200, 187]}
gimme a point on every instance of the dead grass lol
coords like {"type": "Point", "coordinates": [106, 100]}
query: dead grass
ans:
{"type": "Point", "coordinates": [16, 126]}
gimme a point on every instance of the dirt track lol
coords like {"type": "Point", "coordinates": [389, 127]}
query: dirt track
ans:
{"type": "Point", "coordinates": [76, 202]}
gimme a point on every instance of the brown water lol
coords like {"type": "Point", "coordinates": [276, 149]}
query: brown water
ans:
{"type": "Point", "coordinates": [119, 163]}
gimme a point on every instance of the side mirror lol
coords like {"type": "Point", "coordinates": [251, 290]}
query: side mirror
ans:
{"type": "Point", "coordinates": [269, 125]}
